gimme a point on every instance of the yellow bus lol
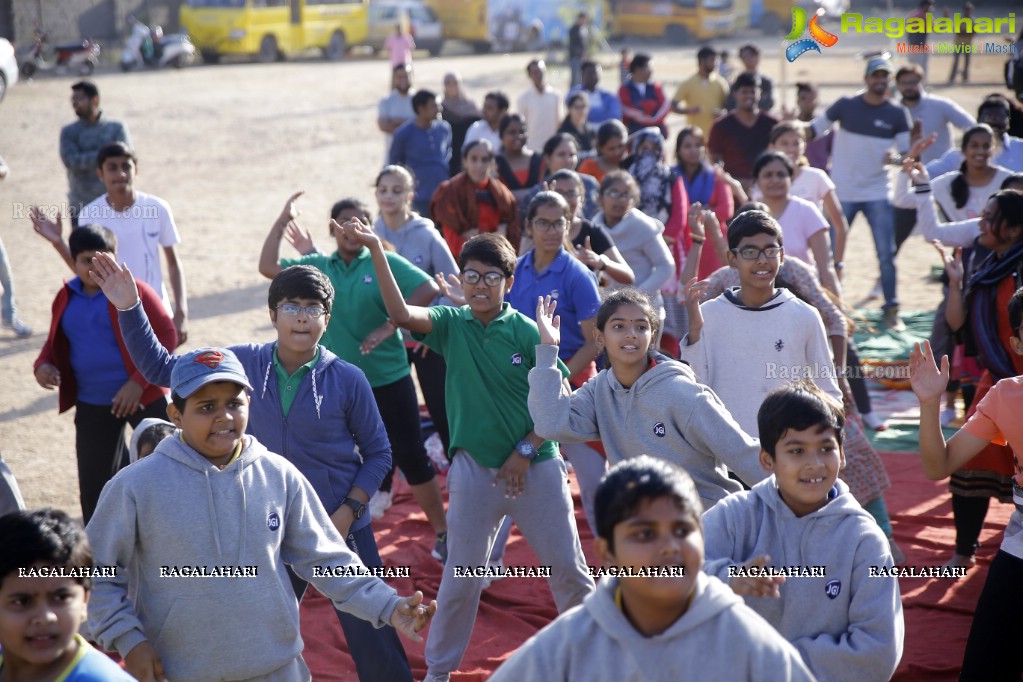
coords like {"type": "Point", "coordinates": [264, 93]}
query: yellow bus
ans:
{"type": "Point", "coordinates": [271, 29]}
{"type": "Point", "coordinates": [678, 21]}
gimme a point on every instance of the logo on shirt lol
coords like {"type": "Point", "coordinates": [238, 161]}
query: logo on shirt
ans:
{"type": "Point", "coordinates": [817, 34]}
{"type": "Point", "coordinates": [273, 521]}
{"type": "Point", "coordinates": [659, 430]}
{"type": "Point", "coordinates": [882, 124]}
{"type": "Point", "coordinates": [368, 279]}
{"type": "Point", "coordinates": [778, 345]}
{"type": "Point", "coordinates": [516, 359]}
{"type": "Point", "coordinates": [210, 358]}
{"type": "Point", "coordinates": [418, 260]}
{"type": "Point", "coordinates": [833, 588]}
{"type": "Point", "coordinates": [554, 294]}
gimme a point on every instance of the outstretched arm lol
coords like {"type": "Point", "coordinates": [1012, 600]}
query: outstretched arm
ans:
{"type": "Point", "coordinates": [269, 257]}
{"type": "Point", "coordinates": [51, 232]}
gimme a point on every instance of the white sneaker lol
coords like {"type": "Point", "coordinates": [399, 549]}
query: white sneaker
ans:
{"type": "Point", "coordinates": [21, 330]}
{"type": "Point", "coordinates": [873, 422]}
{"type": "Point", "coordinates": [379, 504]}
{"type": "Point", "coordinates": [435, 451]}
{"type": "Point", "coordinates": [493, 565]}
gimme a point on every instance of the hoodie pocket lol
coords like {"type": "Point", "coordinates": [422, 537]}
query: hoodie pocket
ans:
{"type": "Point", "coordinates": [255, 630]}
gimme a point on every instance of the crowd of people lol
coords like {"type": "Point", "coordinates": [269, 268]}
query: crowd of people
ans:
{"type": "Point", "coordinates": [575, 287]}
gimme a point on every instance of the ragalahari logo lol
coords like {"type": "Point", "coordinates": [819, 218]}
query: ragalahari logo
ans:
{"type": "Point", "coordinates": [817, 34]}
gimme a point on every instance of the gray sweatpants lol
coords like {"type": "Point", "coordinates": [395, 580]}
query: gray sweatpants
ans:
{"type": "Point", "coordinates": [475, 507]}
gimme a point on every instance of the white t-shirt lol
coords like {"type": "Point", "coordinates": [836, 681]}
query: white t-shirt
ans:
{"type": "Point", "coordinates": [811, 184]}
{"type": "Point", "coordinates": [481, 130]}
{"type": "Point", "coordinates": [799, 221]}
{"type": "Point", "coordinates": [974, 206]}
{"type": "Point", "coordinates": [140, 230]}
{"type": "Point", "coordinates": [543, 114]}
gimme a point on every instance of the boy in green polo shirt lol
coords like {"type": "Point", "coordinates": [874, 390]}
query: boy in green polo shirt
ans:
{"type": "Point", "coordinates": [361, 333]}
{"type": "Point", "coordinates": [489, 349]}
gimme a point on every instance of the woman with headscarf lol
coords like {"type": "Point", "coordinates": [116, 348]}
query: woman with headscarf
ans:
{"type": "Point", "coordinates": [460, 112]}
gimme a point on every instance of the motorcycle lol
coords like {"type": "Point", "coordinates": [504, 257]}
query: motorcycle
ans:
{"type": "Point", "coordinates": [80, 58]}
{"type": "Point", "coordinates": [157, 50]}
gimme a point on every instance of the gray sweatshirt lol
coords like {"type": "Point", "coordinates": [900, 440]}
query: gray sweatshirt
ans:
{"type": "Point", "coordinates": [846, 624]}
{"type": "Point", "coordinates": [174, 513]}
{"type": "Point", "coordinates": [718, 638]}
{"type": "Point", "coordinates": [666, 414]}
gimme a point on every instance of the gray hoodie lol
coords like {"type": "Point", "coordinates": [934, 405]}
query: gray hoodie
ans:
{"type": "Point", "coordinates": [174, 511]}
{"type": "Point", "coordinates": [666, 414]}
{"type": "Point", "coordinates": [718, 638]}
{"type": "Point", "coordinates": [422, 244]}
{"type": "Point", "coordinates": [846, 624]}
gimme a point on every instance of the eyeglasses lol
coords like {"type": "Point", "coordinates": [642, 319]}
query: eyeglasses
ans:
{"type": "Point", "coordinates": [615, 194]}
{"type": "Point", "coordinates": [491, 279]}
{"type": "Point", "coordinates": [293, 310]}
{"type": "Point", "coordinates": [545, 226]}
{"type": "Point", "coordinates": [753, 253]}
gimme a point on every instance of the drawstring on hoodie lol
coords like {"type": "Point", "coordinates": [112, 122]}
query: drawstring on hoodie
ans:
{"type": "Point", "coordinates": [213, 516]}
{"type": "Point", "coordinates": [266, 379]}
{"type": "Point", "coordinates": [245, 507]}
{"type": "Point", "coordinates": [316, 397]}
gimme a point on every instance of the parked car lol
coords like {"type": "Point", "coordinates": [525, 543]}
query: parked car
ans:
{"type": "Point", "coordinates": [8, 67]}
{"type": "Point", "coordinates": [426, 28]}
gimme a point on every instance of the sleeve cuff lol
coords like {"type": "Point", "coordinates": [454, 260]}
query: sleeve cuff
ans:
{"type": "Point", "coordinates": [128, 641]}
{"type": "Point", "coordinates": [546, 356]}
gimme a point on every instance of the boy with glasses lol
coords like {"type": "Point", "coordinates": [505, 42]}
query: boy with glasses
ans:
{"type": "Point", "coordinates": [316, 410]}
{"type": "Point", "coordinates": [782, 338]}
{"type": "Point", "coordinates": [500, 467]}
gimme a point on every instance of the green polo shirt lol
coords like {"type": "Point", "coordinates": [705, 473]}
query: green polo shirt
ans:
{"type": "Point", "coordinates": [359, 309]}
{"type": "Point", "coordinates": [288, 385]}
{"type": "Point", "coordinates": [487, 384]}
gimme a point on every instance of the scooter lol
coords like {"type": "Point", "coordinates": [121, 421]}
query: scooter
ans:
{"type": "Point", "coordinates": [80, 57]}
{"type": "Point", "coordinates": [173, 49]}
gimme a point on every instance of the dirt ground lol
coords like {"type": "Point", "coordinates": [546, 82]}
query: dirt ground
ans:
{"type": "Point", "coordinates": [226, 145]}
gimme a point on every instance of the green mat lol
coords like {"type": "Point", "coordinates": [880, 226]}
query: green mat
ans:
{"type": "Point", "coordinates": [877, 343]}
{"type": "Point", "coordinates": [901, 437]}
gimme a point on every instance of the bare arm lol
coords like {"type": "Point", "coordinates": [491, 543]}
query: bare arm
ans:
{"type": "Point", "coordinates": [176, 274]}
{"type": "Point", "coordinates": [820, 246]}
{"type": "Point", "coordinates": [955, 308]}
{"type": "Point", "coordinates": [833, 210]}
{"type": "Point", "coordinates": [269, 257]}
{"type": "Point", "coordinates": [51, 232]}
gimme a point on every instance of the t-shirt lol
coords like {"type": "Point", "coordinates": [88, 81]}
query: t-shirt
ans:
{"type": "Point", "coordinates": [359, 309]}
{"type": "Point", "coordinates": [978, 196]}
{"type": "Point", "coordinates": [395, 105]}
{"type": "Point", "coordinates": [997, 420]}
{"type": "Point", "coordinates": [89, 665]}
{"type": "Point", "coordinates": [799, 221]}
{"type": "Point", "coordinates": [400, 47]}
{"type": "Point", "coordinates": [487, 382]}
{"type": "Point", "coordinates": [935, 115]}
{"type": "Point", "coordinates": [426, 151]}
{"type": "Point", "coordinates": [811, 184]}
{"type": "Point", "coordinates": [95, 352]}
{"type": "Point", "coordinates": [141, 230]}
{"type": "Point", "coordinates": [707, 93]}
{"type": "Point", "coordinates": [481, 130]}
{"type": "Point", "coordinates": [865, 133]}
{"type": "Point", "coordinates": [739, 145]}
{"type": "Point", "coordinates": [543, 114]}
{"type": "Point", "coordinates": [600, 238]}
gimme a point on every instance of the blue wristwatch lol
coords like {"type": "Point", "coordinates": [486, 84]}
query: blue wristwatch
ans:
{"type": "Point", "coordinates": [526, 449]}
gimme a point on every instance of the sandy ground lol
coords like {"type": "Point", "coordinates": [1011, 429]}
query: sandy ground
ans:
{"type": "Point", "coordinates": [226, 145]}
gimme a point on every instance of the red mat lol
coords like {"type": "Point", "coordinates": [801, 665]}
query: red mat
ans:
{"type": "Point", "coordinates": [937, 612]}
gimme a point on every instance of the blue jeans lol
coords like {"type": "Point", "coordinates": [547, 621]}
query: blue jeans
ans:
{"type": "Point", "coordinates": [378, 653]}
{"type": "Point", "coordinates": [7, 284]}
{"type": "Point", "coordinates": [881, 217]}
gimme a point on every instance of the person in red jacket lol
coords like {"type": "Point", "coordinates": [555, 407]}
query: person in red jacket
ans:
{"type": "Point", "coordinates": [86, 359]}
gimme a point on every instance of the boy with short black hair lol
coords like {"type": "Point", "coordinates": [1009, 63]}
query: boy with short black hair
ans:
{"type": "Point", "coordinates": [86, 359]}
{"type": "Point", "coordinates": [643, 628]}
{"type": "Point", "coordinates": [313, 408]}
{"type": "Point", "coordinates": [802, 520]}
{"type": "Point", "coordinates": [489, 349]}
{"type": "Point", "coordinates": [40, 614]}
{"type": "Point", "coordinates": [781, 335]}
{"type": "Point", "coordinates": [211, 518]}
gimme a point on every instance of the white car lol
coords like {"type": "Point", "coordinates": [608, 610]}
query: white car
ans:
{"type": "Point", "coordinates": [8, 67]}
{"type": "Point", "coordinates": [427, 30]}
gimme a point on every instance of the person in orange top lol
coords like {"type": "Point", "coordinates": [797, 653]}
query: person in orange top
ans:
{"type": "Point", "coordinates": [611, 150]}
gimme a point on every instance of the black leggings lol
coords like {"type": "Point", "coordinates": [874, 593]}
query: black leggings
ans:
{"type": "Point", "coordinates": [99, 442]}
{"type": "Point", "coordinates": [968, 513]}
{"type": "Point", "coordinates": [432, 371]}
{"type": "Point", "coordinates": [858, 386]}
{"type": "Point", "coordinates": [905, 221]}
{"type": "Point", "coordinates": [997, 629]}
{"type": "Point", "coordinates": [399, 410]}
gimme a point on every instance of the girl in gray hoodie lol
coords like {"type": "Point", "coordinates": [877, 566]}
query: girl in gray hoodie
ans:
{"type": "Point", "coordinates": [644, 403]}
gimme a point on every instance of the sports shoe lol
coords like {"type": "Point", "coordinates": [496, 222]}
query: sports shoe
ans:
{"type": "Point", "coordinates": [21, 330]}
{"type": "Point", "coordinates": [892, 321]}
{"type": "Point", "coordinates": [873, 422]}
{"type": "Point", "coordinates": [440, 548]}
{"type": "Point", "coordinates": [489, 580]}
{"type": "Point", "coordinates": [948, 415]}
{"type": "Point", "coordinates": [379, 504]}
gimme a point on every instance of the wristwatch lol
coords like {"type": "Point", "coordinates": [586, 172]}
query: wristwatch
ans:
{"type": "Point", "coordinates": [358, 507]}
{"type": "Point", "coordinates": [526, 449]}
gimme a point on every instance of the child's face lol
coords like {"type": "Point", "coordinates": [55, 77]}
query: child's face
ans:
{"type": "Point", "coordinates": [806, 465]}
{"type": "Point", "coordinates": [661, 533]}
{"type": "Point", "coordinates": [547, 229]}
{"type": "Point", "coordinates": [301, 332]}
{"type": "Point", "coordinates": [83, 263]}
{"type": "Point", "coordinates": [38, 621]}
{"type": "Point", "coordinates": [214, 420]}
{"type": "Point", "coordinates": [345, 244]}
{"type": "Point", "coordinates": [626, 335]}
{"type": "Point", "coordinates": [393, 194]}
{"type": "Point", "coordinates": [485, 301]}
{"type": "Point", "coordinates": [118, 174]}
{"type": "Point", "coordinates": [761, 271]}
{"type": "Point", "coordinates": [791, 145]}
{"type": "Point", "coordinates": [146, 450]}
{"type": "Point", "coordinates": [616, 200]}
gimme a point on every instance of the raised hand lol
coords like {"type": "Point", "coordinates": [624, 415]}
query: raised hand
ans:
{"type": "Point", "coordinates": [916, 171]}
{"type": "Point", "coordinates": [291, 209]}
{"type": "Point", "coordinates": [52, 232]}
{"type": "Point", "coordinates": [547, 322]}
{"type": "Point", "coordinates": [917, 147]}
{"type": "Point", "coordinates": [927, 380]}
{"type": "Point", "coordinates": [410, 616]}
{"type": "Point", "coordinates": [115, 280]}
{"type": "Point", "coordinates": [300, 238]}
{"type": "Point", "coordinates": [757, 586]}
{"type": "Point", "coordinates": [953, 263]}
{"type": "Point", "coordinates": [451, 287]}
{"type": "Point", "coordinates": [696, 219]}
{"type": "Point", "coordinates": [358, 231]}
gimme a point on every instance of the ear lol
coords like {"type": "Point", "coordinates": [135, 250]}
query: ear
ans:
{"type": "Point", "coordinates": [508, 283]}
{"type": "Point", "coordinates": [598, 336]}
{"type": "Point", "coordinates": [1016, 343]}
{"type": "Point", "coordinates": [732, 260]}
{"type": "Point", "coordinates": [273, 318]}
{"type": "Point", "coordinates": [174, 414]}
{"type": "Point", "coordinates": [604, 553]}
{"type": "Point", "coordinates": [767, 462]}
{"type": "Point", "coordinates": [841, 457]}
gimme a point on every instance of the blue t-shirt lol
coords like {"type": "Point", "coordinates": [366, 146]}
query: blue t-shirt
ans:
{"type": "Point", "coordinates": [90, 665]}
{"type": "Point", "coordinates": [95, 354]}
{"type": "Point", "coordinates": [427, 152]}
{"type": "Point", "coordinates": [565, 280]}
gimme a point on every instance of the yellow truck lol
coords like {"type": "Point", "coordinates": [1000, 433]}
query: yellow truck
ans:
{"type": "Point", "coordinates": [271, 29]}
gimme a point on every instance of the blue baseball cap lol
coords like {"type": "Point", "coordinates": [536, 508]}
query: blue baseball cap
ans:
{"type": "Point", "coordinates": [206, 365]}
{"type": "Point", "coordinates": [879, 63]}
